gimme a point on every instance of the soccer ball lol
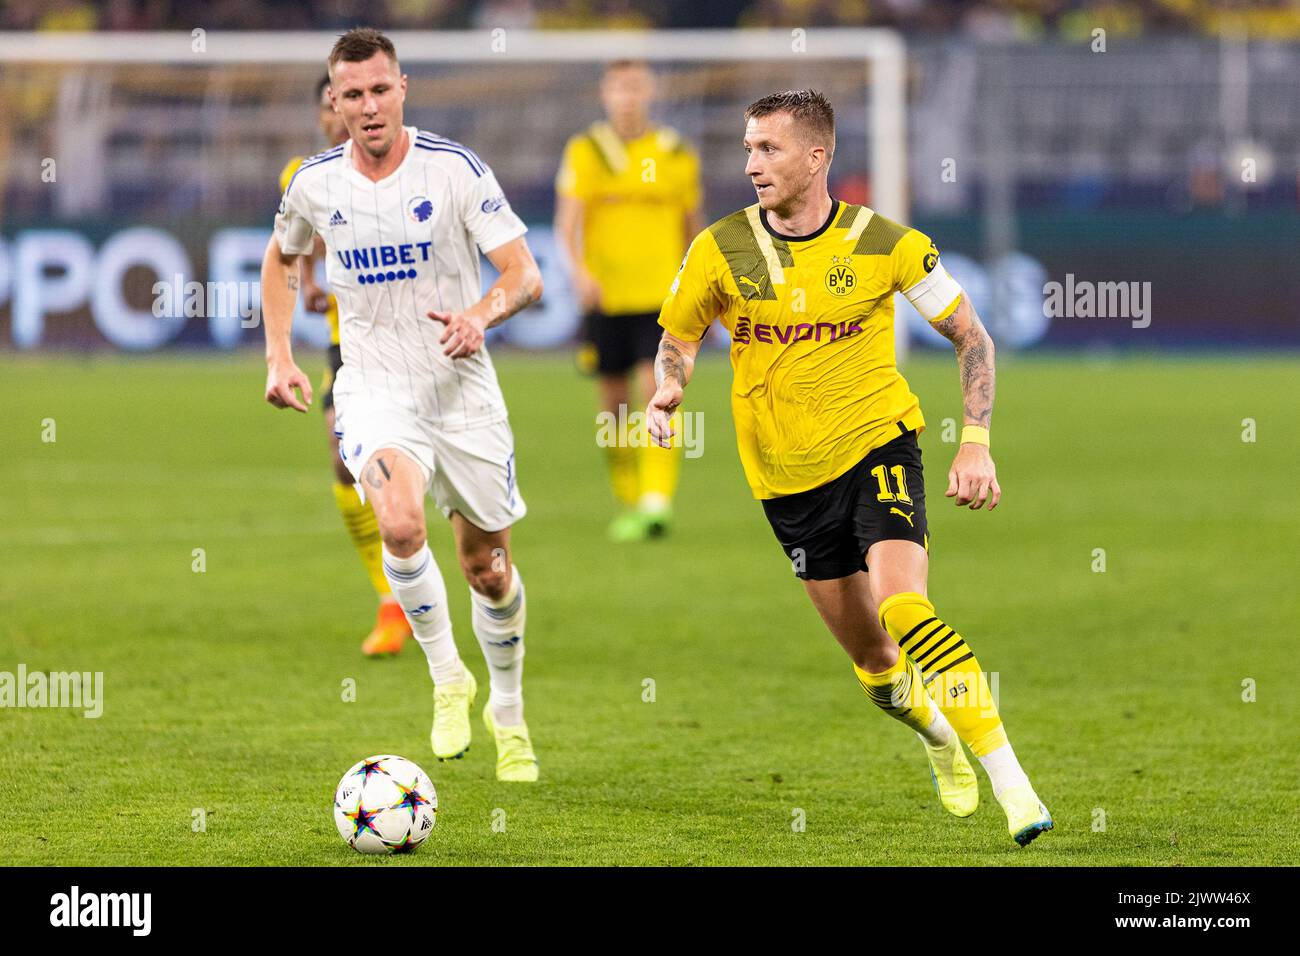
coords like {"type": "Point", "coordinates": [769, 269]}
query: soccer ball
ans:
{"type": "Point", "coordinates": [385, 804]}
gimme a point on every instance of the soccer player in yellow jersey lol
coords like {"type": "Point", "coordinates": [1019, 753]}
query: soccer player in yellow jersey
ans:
{"type": "Point", "coordinates": [391, 628]}
{"type": "Point", "coordinates": [827, 430]}
{"type": "Point", "coordinates": [627, 204]}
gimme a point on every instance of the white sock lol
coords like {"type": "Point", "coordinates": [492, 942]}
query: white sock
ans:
{"type": "Point", "coordinates": [418, 586]}
{"type": "Point", "coordinates": [940, 732]}
{"type": "Point", "coordinates": [499, 627]}
{"type": "Point", "coordinates": [1003, 769]}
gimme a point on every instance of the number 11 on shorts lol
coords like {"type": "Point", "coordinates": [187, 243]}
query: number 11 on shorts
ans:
{"type": "Point", "coordinates": [900, 479]}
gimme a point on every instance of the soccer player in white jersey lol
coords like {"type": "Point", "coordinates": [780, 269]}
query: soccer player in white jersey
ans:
{"type": "Point", "coordinates": [404, 215]}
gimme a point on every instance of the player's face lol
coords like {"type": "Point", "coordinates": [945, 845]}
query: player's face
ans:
{"type": "Point", "coordinates": [780, 161]}
{"type": "Point", "coordinates": [626, 94]}
{"type": "Point", "coordinates": [369, 96]}
{"type": "Point", "coordinates": [331, 123]}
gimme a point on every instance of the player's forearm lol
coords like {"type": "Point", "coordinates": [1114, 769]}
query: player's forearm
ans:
{"type": "Point", "coordinates": [975, 366]}
{"type": "Point", "coordinates": [974, 350]}
{"type": "Point", "coordinates": [280, 281]}
{"type": "Point", "coordinates": [518, 286]}
{"type": "Point", "coordinates": [675, 360]}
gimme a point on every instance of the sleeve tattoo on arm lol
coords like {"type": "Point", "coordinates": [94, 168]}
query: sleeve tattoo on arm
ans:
{"type": "Point", "coordinates": [672, 364]}
{"type": "Point", "coordinates": [975, 367]}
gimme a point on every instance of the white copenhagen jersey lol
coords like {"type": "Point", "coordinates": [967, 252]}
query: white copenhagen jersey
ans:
{"type": "Point", "coordinates": [397, 249]}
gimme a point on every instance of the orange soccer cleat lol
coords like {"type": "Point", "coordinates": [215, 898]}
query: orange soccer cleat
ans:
{"type": "Point", "coordinates": [390, 632]}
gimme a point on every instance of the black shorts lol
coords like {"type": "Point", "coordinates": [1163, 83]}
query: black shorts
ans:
{"type": "Point", "coordinates": [327, 380]}
{"type": "Point", "coordinates": [616, 343]}
{"type": "Point", "coordinates": [826, 531]}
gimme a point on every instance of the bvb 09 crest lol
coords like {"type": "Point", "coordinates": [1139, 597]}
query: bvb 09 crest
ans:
{"type": "Point", "coordinates": [841, 280]}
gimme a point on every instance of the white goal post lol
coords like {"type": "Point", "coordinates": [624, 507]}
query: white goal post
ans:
{"type": "Point", "coordinates": [881, 52]}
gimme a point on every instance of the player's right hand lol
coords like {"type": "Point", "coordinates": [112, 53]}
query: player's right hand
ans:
{"type": "Point", "coordinates": [281, 380]}
{"type": "Point", "coordinates": [659, 412]}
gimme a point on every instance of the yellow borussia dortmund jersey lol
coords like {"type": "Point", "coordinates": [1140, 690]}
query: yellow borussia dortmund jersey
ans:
{"type": "Point", "coordinates": [815, 384]}
{"type": "Point", "coordinates": [635, 197]}
{"type": "Point", "coordinates": [332, 310]}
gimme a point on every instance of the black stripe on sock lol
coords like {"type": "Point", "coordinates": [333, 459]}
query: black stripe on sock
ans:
{"type": "Point", "coordinates": [923, 642]}
{"type": "Point", "coordinates": [954, 663]}
{"type": "Point", "coordinates": [936, 652]}
{"type": "Point", "coordinates": [909, 634]}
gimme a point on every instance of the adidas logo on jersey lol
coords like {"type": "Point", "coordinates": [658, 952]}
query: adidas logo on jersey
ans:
{"type": "Point", "coordinates": [337, 219]}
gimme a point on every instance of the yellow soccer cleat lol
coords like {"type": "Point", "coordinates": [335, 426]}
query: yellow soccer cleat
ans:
{"type": "Point", "coordinates": [1027, 818]}
{"type": "Point", "coordinates": [451, 706]}
{"type": "Point", "coordinates": [390, 632]}
{"type": "Point", "coordinates": [516, 761]}
{"type": "Point", "coordinates": [954, 778]}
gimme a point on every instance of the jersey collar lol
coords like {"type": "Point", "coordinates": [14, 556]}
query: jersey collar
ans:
{"type": "Point", "coordinates": [835, 209]}
{"type": "Point", "coordinates": [360, 177]}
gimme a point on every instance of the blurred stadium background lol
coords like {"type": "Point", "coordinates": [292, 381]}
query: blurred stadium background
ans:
{"type": "Point", "coordinates": [1115, 141]}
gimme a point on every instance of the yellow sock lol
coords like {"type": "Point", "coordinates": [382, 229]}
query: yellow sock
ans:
{"type": "Point", "coordinates": [957, 680]}
{"type": "Point", "coordinates": [363, 529]}
{"type": "Point", "coordinates": [660, 467]}
{"type": "Point", "coordinates": [899, 693]}
{"type": "Point", "coordinates": [623, 473]}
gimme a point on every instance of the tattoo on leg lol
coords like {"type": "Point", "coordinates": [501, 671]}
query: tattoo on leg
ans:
{"type": "Point", "coordinates": [292, 282]}
{"type": "Point", "coordinates": [376, 474]}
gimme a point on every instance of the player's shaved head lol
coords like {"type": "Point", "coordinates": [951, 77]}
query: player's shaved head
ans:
{"type": "Point", "coordinates": [813, 117]}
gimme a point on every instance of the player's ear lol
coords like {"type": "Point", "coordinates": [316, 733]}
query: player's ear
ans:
{"type": "Point", "coordinates": [403, 86]}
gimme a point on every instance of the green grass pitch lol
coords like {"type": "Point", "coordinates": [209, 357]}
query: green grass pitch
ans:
{"type": "Point", "coordinates": [1122, 691]}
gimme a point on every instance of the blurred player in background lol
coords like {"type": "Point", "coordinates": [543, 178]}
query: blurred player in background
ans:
{"type": "Point", "coordinates": [627, 205]}
{"type": "Point", "coordinates": [404, 215]}
{"type": "Point", "coordinates": [827, 430]}
{"type": "Point", "coordinates": [391, 628]}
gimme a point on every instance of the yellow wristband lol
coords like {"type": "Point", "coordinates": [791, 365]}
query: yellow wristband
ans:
{"type": "Point", "coordinates": [975, 434]}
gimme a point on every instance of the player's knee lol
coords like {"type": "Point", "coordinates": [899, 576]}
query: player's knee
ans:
{"type": "Point", "coordinates": [403, 534]}
{"type": "Point", "coordinates": [488, 576]}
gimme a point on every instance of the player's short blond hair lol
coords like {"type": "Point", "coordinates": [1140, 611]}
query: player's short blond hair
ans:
{"type": "Point", "coordinates": [811, 112]}
{"type": "Point", "coordinates": [360, 44]}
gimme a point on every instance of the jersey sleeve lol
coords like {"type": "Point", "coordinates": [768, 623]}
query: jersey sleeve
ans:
{"type": "Point", "coordinates": [693, 300]}
{"type": "Point", "coordinates": [574, 178]}
{"type": "Point", "coordinates": [486, 213]}
{"type": "Point", "coordinates": [921, 277]}
{"type": "Point", "coordinates": [293, 224]}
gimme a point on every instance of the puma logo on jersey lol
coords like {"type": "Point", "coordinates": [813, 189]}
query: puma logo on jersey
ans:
{"type": "Point", "coordinates": [758, 286]}
{"type": "Point", "coordinates": [905, 516]}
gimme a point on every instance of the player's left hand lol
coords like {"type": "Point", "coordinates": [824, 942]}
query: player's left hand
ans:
{"type": "Point", "coordinates": [463, 334]}
{"type": "Point", "coordinates": [973, 479]}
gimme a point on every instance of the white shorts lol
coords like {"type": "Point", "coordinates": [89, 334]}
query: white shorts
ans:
{"type": "Point", "coordinates": [470, 471]}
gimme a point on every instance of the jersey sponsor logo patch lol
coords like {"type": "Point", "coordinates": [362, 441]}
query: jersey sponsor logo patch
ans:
{"type": "Point", "coordinates": [492, 205]}
{"type": "Point", "coordinates": [785, 335]}
{"type": "Point", "coordinates": [419, 209]}
{"type": "Point", "coordinates": [841, 280]}
{"type": "Point", "coordinates": [373, 257]}
{"type": "Point", "coordinates": [931, 259]}
{"type": "Point", "coordinates": [337, 219]}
